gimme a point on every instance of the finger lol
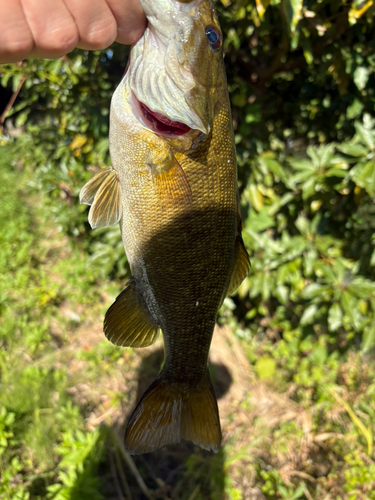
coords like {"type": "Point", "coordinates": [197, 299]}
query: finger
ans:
{"type": "Point", "coordinates": [131, 20]}
{"type": "Point", "coordinates": [96, 24]}
{"type": "Point", "coordinates": [53, 28]}
{"type": "Point", "coordinates": [16, 40]}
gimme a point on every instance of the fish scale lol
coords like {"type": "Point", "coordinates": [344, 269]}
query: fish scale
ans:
{"type": "Point", "coordinates": [175, 196]}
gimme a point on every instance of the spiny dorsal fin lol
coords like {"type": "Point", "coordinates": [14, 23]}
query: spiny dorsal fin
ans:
{"type": "Point", "coordinates": [241, 257]}
{"type": "Point", "coordinates": [102, 192]}
{"type": "Point", "coordinates": [241, 265]}
{"type": "Point", "coordinates": [127, 322]}
{"type": "Point", "coordinates": [166, 414]}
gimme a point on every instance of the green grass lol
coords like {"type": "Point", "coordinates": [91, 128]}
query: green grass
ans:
{"type": "Point", "coordinates": [65, 391]}
{"type": "Point", "coordinates": [37, 414]}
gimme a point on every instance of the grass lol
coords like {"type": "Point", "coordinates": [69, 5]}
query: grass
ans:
{"type": "Point", "coordinates": [297, 415]}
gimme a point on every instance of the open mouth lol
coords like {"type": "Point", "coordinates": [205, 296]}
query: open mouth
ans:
{"type": "Point", "coordinates": [161, 124]}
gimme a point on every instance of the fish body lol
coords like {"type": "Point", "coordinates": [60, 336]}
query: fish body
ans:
{"type": "Point", "coordinates": [173, 187]}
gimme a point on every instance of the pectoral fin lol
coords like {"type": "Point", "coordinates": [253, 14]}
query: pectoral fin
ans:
{"type": "Point", "coordinates": [89, 190]}
{"type": "Point", "coordinates": [102, 192]}
{"type": "Point", "coordinates": [170, 181]}
{"type": "Point", "coordinates": [127, 322]}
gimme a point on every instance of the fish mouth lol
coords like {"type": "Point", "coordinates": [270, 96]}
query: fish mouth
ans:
{"type": "Point", "coordinates": [159, 123]}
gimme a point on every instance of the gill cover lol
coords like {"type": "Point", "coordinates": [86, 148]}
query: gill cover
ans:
{"type": "Point", "coordinates": [173, 69]}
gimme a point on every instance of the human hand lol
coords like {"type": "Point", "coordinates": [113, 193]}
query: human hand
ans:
{"type": "Point", "coordinates": [51, 28]}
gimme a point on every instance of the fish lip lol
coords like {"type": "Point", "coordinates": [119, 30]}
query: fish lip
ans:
{"type": "Point", "coordinates": [156, 122]}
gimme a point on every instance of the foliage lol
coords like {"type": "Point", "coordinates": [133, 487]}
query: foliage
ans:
{"type": "Point", "coordinates": [35, 412]}
{"type": "Point", "coordinates": [308, 274]}
{"type": "Point", "coordinates": [301, 80]}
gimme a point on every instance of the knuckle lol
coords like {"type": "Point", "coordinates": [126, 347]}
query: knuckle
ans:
{"type": "Point", "coordinates": [17, 48]}
{"type": "Point", "coordinates": [59, 41]}
{"type": "Point", "coordinates": [100, 36]}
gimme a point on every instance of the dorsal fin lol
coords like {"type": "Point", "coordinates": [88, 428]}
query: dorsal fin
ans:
{"type": "Point", "coordinates": [242, 261]}
{"type": "Point", "coordinates": [102, 192]}
{"type": "Point", "coordinates": [241, 265]}
{"type": "Point", "coordinates": [127, 322]}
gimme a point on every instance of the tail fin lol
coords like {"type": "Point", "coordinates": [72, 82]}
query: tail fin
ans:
{"type": "Point", "coordinates": [165, 415]}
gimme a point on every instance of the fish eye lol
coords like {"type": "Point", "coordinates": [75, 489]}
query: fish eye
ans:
{"type": "Point", "coordinates": [213, 36]}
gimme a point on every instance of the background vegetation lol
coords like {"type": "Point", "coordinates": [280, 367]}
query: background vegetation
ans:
{"type": "Point", "coordinates": [301, 77]}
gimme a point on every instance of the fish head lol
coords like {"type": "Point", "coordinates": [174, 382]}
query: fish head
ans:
{"type": "Point", "coordinates": [176, 68]}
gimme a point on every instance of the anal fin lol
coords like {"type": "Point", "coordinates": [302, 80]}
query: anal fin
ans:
{"type": "Point", "coordinates": [102, 192]}
{"type": "Point", "coordinates": [127, 322]}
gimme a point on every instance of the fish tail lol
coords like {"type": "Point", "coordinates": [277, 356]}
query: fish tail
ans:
{"type": "Point", "coordinates": [165, 415]}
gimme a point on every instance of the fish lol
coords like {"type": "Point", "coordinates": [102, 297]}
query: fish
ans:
{"type": "Point", "coordinates": [172, 186]}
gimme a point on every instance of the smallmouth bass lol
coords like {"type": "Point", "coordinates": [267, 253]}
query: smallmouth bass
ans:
{"type": "Point", "coordinates": [173, 188]}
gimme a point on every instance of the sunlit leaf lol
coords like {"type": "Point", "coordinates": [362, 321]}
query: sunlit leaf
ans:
{"type": "Point", "coordinates": [358, 8]}
{"type": "Point", "coordinates": [354, 109]}
{"type": "Point", "coordinates": [309, 315]}
{"type": "Point", "coordinates": [313, 290]}
{"type": "Point", "coordinates": [293, 12]}
{"type": "Point", "coordinates": [361, 76]}
{"type": "Point", "coordinates": [334, 317]}
{"type": "Point", "coordinates": [365, 135]}
{"type": "Point", "coordinates": [368, 338]}
{"type": "Point", "coordinates": [255, 196]}
{"type": "Point", "coordinates": [265, 367]}
{"type": "Point", "coordinates": [353, 149]}
{"type": "Point", "coordinates": [262, 7]}
{"type": "Point", "coordinates": [363, 174]}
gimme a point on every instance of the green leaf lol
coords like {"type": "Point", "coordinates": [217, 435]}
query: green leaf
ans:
{"type": "Point", "coordinates": [312, 291]}
{"type": "Point", "coordinates": [293, 11]}
{"type": "Point", "coordinates": [368, 339]}
{"type": "Point", "coordinates": [282, 293]}
{"type": "Point", "coordinates": [255, 197]}
{"type": "Point", "coordinates": [334, 317]}
{"type": "Point", "coordinates": [265, 367]}
{"type": "Point", "coordinates": [354, 109]}
{"type": "Point", "coordinates": [365, 135]}
{"type": "Point", "coordinates": [275, 207]}
{"type": "Point", "coordinates": [309, 315]}
{"type": "Point", "coordinates": [307, 51]}
{"type": "Point", "coordinates": [358, 8]}
{"type": "Point", "coordinates": [351, 149]}
{"type": "Point", "coordinates": [360, 77]}
{"type": "Point", "coordinates": [350, 308]}
{"type": "Point", "coordinates": [309, 187]}
{"type": "Point", "coordinates": [361, 287]}
{"type": "Point", "coordinates": [336, 172]}
{"type": "Point", "coordinates": [259, 221]}
{"type": "Point", "coordinates": [302, 165]}
{"type": "Point", "coordinates": [275, 167]}
{"type": "Point", "coordinates": [303, 225]}
{"type": "Point", "coordinates": [363, 175]}
{"type": "Point", "coordinates": [372, 259]}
